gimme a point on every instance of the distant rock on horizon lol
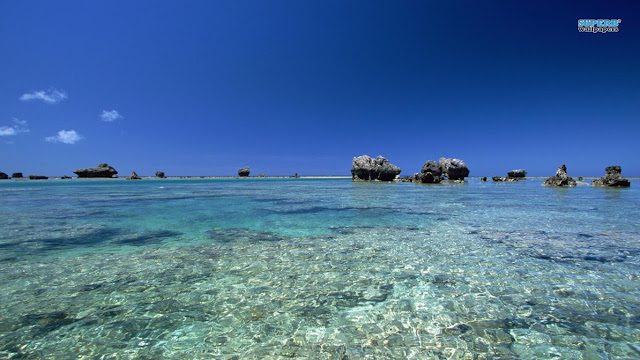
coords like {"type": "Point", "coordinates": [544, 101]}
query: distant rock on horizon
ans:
{"type": "Point", "coordinates": [560, 179]}
{"type": "Point", "coordinates": [160, 174]}
{"type": "Point", "coordinates": [4, 176]}
{"type": "Point", "coordinates": [134, 176]}
{"type": "Point", "coordinates": [613, 178]}
{"type": "Point", "coordinates": [38, 177]}
{"type": "Point", "coordinates": [17, 175]}
{"type": "Point", "coordinates": [101, 171]}
{"type": "Point", "coordinates": [244, 172]}
{"type": "Point", "coordinates": [365, 168]}
{"type": "Point", "coordinates": [454, 169]}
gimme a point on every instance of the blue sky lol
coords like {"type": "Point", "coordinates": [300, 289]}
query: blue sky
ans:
{"type": "Point", "coordinates": [206, 87]}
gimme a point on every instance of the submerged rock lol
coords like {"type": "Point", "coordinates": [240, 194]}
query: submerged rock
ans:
{"type": "Point", "coordinates": [517, 174]}
{"type": "Point", "coordinates": [454, 169]}
{"type": "Point", "coordinates": [505, 179]}
{"type": "Point", "coordinates": [366, 168]}
{"type": "Point", "coordinates": [37, 177]}
{"type": "Point", "coordinates": [560, 178]}
{"type": "Point", "coordinates": [3, 176]}
{"type": "Point", "coordinates": [17, 175]}
{"type": "Point", "coordinates": [484, 178]}
{"type": "Point", "coordinates": [160, 174]}
{"type": "Point", "coordinates": [431, 173]}
{"type": "Point", "coordinates": [134, 176]}
{"type": "Point", "coordinates": [243, 172]}
{"type": "Point", "coordinates": [101, 171]}
{"type": "Point", "coordinates": [613, 178]}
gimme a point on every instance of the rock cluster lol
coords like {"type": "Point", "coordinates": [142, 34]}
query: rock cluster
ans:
{"type": "Point", "coordinates": [101, 171]}
{"type": "Point", "coordinates": [243, 172]}
{"type": "Point", "coordinates": [613, 178]}
{"type": "Point", "coordinates": [134, 176]}
{"type": "Point", "coordinates": [3, 176]}
{"type": "Point", "coordinates": [37, 177]}
{"type": "Point", "coordinates": [17, 175]}
{"type": "Point", "coordinates": [366, 168]}
{"type": "Point", "coordinates": [505, 179]}
{"type": "Point", "coordinates": [434, 172]}
{"type": "Point", "coordinates": [560, 178]}
{"type": "Point", "coordinates": [160, 174]}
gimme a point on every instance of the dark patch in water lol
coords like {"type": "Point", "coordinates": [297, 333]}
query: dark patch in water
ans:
{"type": "Point", "coordinates": [46, 322]}
{"type": "Point", "coordinates": [585, 235]}
{"type": "Point", "coordinates": [91, 238]}
{"type": "Point", "coordinates": [241, 234]}
{"type": "Point", "coordinates": [148, 237]}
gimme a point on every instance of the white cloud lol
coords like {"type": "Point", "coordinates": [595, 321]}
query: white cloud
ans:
{"type": "Point", "coordinates": [19, 126]}
{"type": "Point", "coordinates": [51, 96]}
{"type": "Point", "coordinates": [110, 115]}
{"type": "Point", "coordinates": [7, 131]}
{"type": "Point", "coordinates": [65, 137]}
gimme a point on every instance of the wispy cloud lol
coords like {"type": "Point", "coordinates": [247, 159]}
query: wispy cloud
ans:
{"type": "Point", "coordinates": [110, 115]}
{"type": "Point", "coordinates": [65, 137]}
{"type": "Point", "coordinates": [19, 126]}
{"type": "Point", "coordinates": [51, 96]}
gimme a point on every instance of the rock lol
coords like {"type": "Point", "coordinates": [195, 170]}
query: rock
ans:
{"type": "Point", "coordinates": [296, 175]}
{"type": "Point", "coordinates": [262, 175]}
{"type": "Point", "coordinates": [484, 178]}
{"type": "Point", "coordinates": [101, 171]}
{"type": "Point", "coordinates": [560, 178]}
{"type": "Point", "coordinates": [431, 173]}
{"type": "Point", "coordinates": [160, 174]}
{"type": "Point", "coordinates": [613, 178]}
{"type": "Point", "coordinates": [580, 178]}
{"type": "Point", "coordinates": [134, 176]}
{"type": "Point", "coordinates": [454, 169]}
{"type": "Point", "coordinates": [17, 175]}
{"type": "Point", "coordinates": [3, 176]}
{"type": "Point", "coordinates": [366, 168]}
{"type": "Point", "coordinates": [37, 177]}
{"type": "Point", "coordinates": [520, 173]}
{"type": "Point", "coordinates": [65, 177]}
{"type": "Point", "coordinates": [243, 172]}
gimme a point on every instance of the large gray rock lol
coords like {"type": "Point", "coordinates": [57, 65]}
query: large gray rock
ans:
{"type": "Point", "coordinates": [160, 174]}
{"type": "Point", "coordinates": [454, 169]}
{"type": "Point", "coordinates": [101, 171]}
{"type": "Point", "coordinates": [516, 174]}
{"type": "Point", "coordinates": [613, 178]}
{"type": "Point", "coordinates": [17, 175]}
{"type": "Point", "coordinates": [366, 168]}
{"type": "Point", "coordinates": [243, 172]}
{"type": "Point", "coordinates": [431, 173]}
{"type": "Point", "coordinates": [3, 176]}
{"type": "Point", "coordinates": [560, 178]}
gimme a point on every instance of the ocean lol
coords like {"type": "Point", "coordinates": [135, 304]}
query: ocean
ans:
{"type": "Point", "coordinates": [317, 268]}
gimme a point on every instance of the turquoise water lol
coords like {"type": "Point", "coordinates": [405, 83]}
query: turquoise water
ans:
{"type": "Point", "coordinates": [317, 268]}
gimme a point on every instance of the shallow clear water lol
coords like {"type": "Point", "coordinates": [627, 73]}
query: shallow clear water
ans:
{"type": "Point", "coordinates": [317, 268]}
